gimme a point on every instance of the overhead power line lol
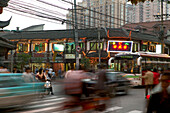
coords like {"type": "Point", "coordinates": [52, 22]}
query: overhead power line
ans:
{"type": "Point", "coordinates": [101, 13]}
{"type": "Point", "coordinates": [48, 16]}
{"type": "Point", "coordinates": [43, 16]}
{"type": "Point", "coordinates": [28, 7]}
{"type": "Point", "coordinates": [37, 7]}
{"type": "Point", "coordinates": [80, 13]}
{"type": "Point", "coordinates": [12, 11]}
{"type": "Point", "coordinates": [92, 10]}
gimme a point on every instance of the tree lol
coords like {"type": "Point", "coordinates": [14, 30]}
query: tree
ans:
{"type": "Point", "coordinates": [137, 1]}
{"type": "Point", "coordinates": [85, 62]}
{"type": "Point", "coordinates": [4, 3]}
{"type": "Point", "coordinates": [23, 59]}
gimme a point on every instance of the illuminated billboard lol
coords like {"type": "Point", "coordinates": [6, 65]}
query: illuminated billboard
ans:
{"type": "Point", "coordinates": [119, 46]}
{"type": "Point", "coordinates": [58, 47]}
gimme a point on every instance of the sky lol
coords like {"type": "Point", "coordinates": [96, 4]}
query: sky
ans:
{"type": "Point", "coordinates": [24, 21]}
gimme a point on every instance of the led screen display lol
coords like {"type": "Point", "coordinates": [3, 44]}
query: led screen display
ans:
{"type": "Point", "coordinates": [119, 46]}
{"type": "Point", "coordinates": [58, 47]}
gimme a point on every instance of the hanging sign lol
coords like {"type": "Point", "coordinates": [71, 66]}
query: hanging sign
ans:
{"type": "Point", "coordinates": [119, 46]}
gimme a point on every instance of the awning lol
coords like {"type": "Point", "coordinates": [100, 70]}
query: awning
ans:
{"type": "Point", "coordinates": [96, 54]}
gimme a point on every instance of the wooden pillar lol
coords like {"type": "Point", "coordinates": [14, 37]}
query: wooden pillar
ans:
{"type": "Point", "coordinates": [30, 48]}
{"type": "Point", "coordinates": [141, 44]}
{"type": "Point", "coordinates": [48, 51]}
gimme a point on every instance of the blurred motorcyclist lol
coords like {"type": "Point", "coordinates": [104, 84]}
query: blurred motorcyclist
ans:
{"type": "Point", "coordinates": [45, 76]}
{"type": "Point", "coordinates": [73, 84]}
{"type": "Point", "coordinates": [48, 77]}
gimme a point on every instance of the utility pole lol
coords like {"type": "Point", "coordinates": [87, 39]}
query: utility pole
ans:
{"type": "Point", "coordinates": [162, 29]}
{"type": "Point", "coordinates": [12, 61]}
{"type": "Point", "coordinates": [99, 46]}
{"type": "Point", "coordinates": [76, 36]}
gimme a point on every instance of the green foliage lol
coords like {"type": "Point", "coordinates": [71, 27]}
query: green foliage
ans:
{"type": "Point", "coordinates": [85, 62]}
{"type": "Point", "coordinates": [23, 59]}
{"type": "Point", "coordinates": [137, 1]}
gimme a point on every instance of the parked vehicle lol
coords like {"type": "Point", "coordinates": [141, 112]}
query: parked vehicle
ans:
{"type": "Point", "coordinates": [14, 91]}
{"type": "Point", "coordinates": [116, 84]}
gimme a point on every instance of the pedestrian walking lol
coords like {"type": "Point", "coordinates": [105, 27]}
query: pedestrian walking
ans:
{"type": "Point", "coordinates": [60, 73]}
{"type": "Point", "coordinates": [27, 75]}
{"type": "Point", "coordinates": [40, 75]}
{"type": "Point", "coordinates": [148, 81]}
{"type": "Point", "coordinates": [36, 70]}
{"type": "Point", "coordinates": [3, 69]}
{"type": "Point", "coordinates": [156, 77]}
{"type": "Point", "coordinates": [160, 102]}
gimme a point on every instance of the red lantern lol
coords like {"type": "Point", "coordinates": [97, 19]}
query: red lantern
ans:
{"type": "Point", "coordinates": [1, 10]}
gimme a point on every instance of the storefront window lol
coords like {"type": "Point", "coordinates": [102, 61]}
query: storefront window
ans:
{"type": "Point", "coordinates": [135, 47]}
{"type": "Point", "coordinates": [144, 47]}
{"type": "Point", "coordinates": [81, 45]}
{"type": "Point", "coordinates": [94, 46]}
{"type": "Point", "coordinates": [39, 47]}
{"type": "Point", "coordinates": [22, 47]}
{"type": "Point", "coordinates": [70, 48]}
{"type": "Point", "coordinates": [101, 46]}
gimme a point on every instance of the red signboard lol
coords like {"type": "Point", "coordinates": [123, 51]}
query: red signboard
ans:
{"type": "Point", "coordinates": [119, 46]}
{"type": "Point", "coordinates": [38, 55]}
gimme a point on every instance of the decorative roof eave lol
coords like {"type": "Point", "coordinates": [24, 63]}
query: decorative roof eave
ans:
{"type": "Point", "coordinates": [5, 23]}
{"type": "Point", "coordinates": [7, 44]}
{"type": "Point", "coordinates": [60, 34]}
{"type": "Point", "coordinates": [119, 38]}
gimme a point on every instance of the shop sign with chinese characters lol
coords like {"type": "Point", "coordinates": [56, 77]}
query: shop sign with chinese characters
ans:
{"type": "Point", "coordinates": [119, 46]}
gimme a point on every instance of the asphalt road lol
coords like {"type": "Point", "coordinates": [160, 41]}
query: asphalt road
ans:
{"type": "Point", "coordinates": [134, 102]}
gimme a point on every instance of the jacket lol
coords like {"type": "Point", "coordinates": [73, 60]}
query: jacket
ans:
{"type": "Point", "coordinates": [156, 78]}
{"type": "Point", "coordinates": [156, 103]}
{"type": "Point", "coordinates": [148, 78]}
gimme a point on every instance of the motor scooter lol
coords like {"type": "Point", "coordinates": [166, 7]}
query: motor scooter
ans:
{"type": "Point", "coordinates": [47, 87]}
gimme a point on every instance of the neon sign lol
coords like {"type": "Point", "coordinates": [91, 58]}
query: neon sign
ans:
{"type": "Point", "coordinates": [119, 46]}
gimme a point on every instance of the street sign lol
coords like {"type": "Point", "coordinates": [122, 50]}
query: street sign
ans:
{"type": "Point", "coordinates": [78, 48]}
{"type": "Point", "coordinates": [119, 46]}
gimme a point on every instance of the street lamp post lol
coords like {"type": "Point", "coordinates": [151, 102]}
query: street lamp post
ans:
{"type": "Point", "coordinates": [76, 36]}
{"type": "Point", "coordinates": [99, 46]}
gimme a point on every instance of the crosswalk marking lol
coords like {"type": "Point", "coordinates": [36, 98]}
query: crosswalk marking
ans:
{"type": "Point", "coordinates": [40, 110]}
{"type": "Point", "coordinates": [111, 109]}
{"type": "Point", "coordinates": [48, 100]}
{"type": "Point", "coordinates": [54, 104]}
{"type": "Point", "coordinates": [41, 105]}
{"type": "Point", "coordinates": [135, 111]}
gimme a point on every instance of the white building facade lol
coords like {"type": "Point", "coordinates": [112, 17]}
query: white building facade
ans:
{"type": "Point", "coordinates": [144, 12]}
{"type": "Point", "coordinates": [98, 13]}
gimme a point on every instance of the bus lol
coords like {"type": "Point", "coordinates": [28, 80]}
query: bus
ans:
{"type": "Point", "coordinates": [135, 64]}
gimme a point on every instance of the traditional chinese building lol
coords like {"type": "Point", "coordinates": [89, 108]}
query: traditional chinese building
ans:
{"type": "Point", "coordinates": [40, 45]}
